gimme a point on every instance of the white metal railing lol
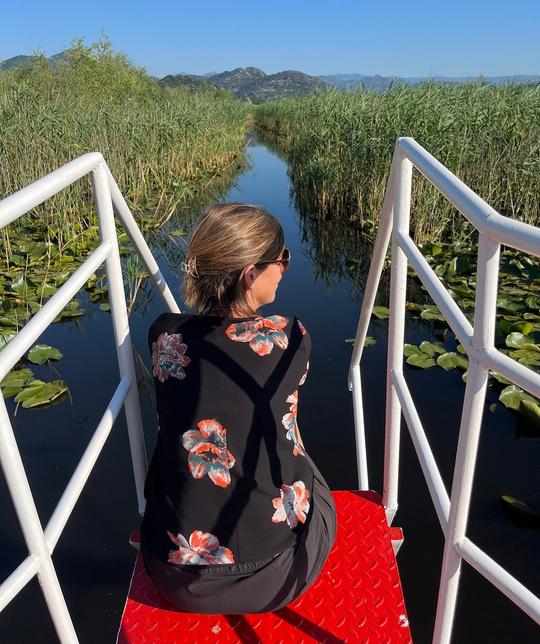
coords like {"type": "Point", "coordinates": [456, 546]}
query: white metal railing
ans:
{"type": "Point", "coordinates": [41, 543]}
{"type": "Point", "coordinates": [478, 341]}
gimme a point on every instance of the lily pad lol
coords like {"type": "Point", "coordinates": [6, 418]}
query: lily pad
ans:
{"type": "Point", "coordinates": [516, 340]}
{"type": "Point", "coordinates": [452, 360]}
{"type": "Point", "coordinates": [531, 410]}
{"type": "Point", "coordinates": [15, 381]}
{"type": "Point", "coordinates": [500, 378]}
{"type": "Point", "coordinates": [40, 353]}
{"type": "Point", "coordinates": [521, 510]}
{"type": "Point", "coordinates": [512, 396]}
{"type": "Point", "coordinates": [381, 312]}
{"type": "Point", "coordinates": [72, 310]}
{"type": "Point", "coordinates": [431, 348]}
{"type": "Point", "coordinates": [23, 287]}
{"type": "Point", "coordinates": [40, 393]}
{"type": "Point", "coordinates": [410, 349]}
{"type": "Point", "coordinates": [431, 312]}
{"type": "Point", "coordinates": [526, 357]}
{"type": "Point", "coordinates": [45, 290]}
{"type": "Point", "coordinates": [509, 304]}
{"type": "Point", "coordinates": [458, 266]}
{"type": "Point", "coordinates": [6, 335]}
{"type": "Point", "coordinates": [420, 360]}
{"type": "Point", "coordinates": [524, 327]}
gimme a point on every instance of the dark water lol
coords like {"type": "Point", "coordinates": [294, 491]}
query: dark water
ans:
{"type": "Point", "coordinates": [93, 558]}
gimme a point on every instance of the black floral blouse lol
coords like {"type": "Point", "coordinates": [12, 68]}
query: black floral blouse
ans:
{"type": "Point", "coordinates": [228, 481]}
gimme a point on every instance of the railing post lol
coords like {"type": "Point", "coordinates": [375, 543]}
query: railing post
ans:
{"type": "Point", "coordinates": [469, 434]}
{"type": "Point", "coordinates": [370, 291]}
{"type": "Point", "coordinates": [23, 501]}
{"type": "Point", "coordinates": [396, 325]}
{"type": "Point", "coordinates": [122, 334]}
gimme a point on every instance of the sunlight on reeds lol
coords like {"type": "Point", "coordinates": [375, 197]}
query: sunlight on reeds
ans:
{"type": "Point", "coordinates": [162, 144]}
{"type": "Point", "coordinates": [340, 145]}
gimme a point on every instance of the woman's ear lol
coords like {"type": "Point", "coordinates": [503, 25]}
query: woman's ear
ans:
{"type": "Point", "coordinates": [250, 275]}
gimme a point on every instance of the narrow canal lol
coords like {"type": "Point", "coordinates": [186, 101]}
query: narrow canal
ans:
{"type": "Point", "coordinates": [93, 559]}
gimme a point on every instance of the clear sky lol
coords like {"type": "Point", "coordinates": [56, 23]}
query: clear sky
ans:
{"type": "Point", "coordinates": [388, 37]}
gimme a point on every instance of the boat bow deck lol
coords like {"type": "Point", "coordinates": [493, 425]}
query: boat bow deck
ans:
{"type": "Point", "coordinates": [356, 598]}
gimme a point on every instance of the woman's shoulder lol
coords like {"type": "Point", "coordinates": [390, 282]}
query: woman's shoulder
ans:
{"type": "Point", "coordinates": [167, 322]}
{"type": "Point", "coordinates": [278, 321]}
{"type": "Point", "coordinates": [234, 328]}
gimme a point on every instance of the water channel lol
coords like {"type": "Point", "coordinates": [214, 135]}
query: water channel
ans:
{"type": "Point", "coordinates": [93, 558]}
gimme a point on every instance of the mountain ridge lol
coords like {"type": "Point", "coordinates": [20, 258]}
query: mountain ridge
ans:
{"type": "Point", "coordinates": [254, 85]}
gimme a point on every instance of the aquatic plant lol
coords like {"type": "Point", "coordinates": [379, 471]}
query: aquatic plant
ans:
{"type": "Point", "coordinates": [339, 146]}
{"type": "Point", "coordinates": [162, 144]}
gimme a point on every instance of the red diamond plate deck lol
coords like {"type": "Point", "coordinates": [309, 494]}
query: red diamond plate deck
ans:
{"type": "Point", "coordinates": [357, 597]}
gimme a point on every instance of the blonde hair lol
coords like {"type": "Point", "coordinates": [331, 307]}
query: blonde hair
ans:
{"type": "Point", "coordinates": [227, 238]}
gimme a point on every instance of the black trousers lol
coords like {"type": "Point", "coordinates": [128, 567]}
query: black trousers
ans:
{"type": "Point", "coordinates": [257, 586]}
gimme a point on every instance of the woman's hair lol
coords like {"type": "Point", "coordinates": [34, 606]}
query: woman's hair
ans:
{"type": "Point", "coordinates": [227, 238]}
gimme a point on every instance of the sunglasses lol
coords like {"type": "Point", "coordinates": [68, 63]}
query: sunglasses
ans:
{"type": "Point", "coordinates": [284, 260]}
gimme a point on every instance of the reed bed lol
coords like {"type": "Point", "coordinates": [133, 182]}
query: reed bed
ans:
{"type": "Point", "coordinates": [339, 146]}
{"type": "Point", "coordinates": [161, 144]}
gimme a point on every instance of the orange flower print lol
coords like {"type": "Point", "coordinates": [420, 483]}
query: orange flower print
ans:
{"type": "Point", "coordinates": [289, 422]}
{"type": "Point", "coordinates": [208, 453]}
{"type": "Point", "coordinates": [203, 548]}
{"type": "Point", "coordinates": [262, 333]}
{"type": "Point", "coordinates": [303, 378]}
{"type": "Point", "coordinates": [169, 357]}
{"type": "Point", "coordinates": [293, 505]}
{"type": "Point", "coordinates": [302, 327]}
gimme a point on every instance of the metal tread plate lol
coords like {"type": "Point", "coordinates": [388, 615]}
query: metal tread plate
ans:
{"type": "Point", "coordinates": [356, 598]}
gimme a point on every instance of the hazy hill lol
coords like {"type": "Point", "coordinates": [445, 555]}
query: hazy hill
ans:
{"type": "Point", "coordinates": [20, 61]}
{"type": "Point", "coordinates": [251, 83]}
{"type": "Point", "coordinates": [381, 83]}
{"type": "Point", "coordinates": [185, 80]}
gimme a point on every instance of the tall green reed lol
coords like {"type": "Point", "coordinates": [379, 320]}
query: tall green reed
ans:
{"type": "Point", "coordinates": [340, 147]}
{"type": "Point", "coordinates": [161, 144]}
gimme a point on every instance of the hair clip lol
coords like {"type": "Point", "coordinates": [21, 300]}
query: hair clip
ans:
{"type": "Point", "coordinates": [191, 270]}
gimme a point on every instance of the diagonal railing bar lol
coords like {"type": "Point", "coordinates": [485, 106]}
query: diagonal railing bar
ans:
{"type": "Point", "coordinates": [15, 348]}
{"type": "Point", "coordinates": [29, 567]}
{"type": "Point", "coordinates": [478, 341]}
{"type": "Point", "coordinates": [41, 543]}
{"type": "Point", "coordinates": [498, 576]}
{"type": "Point", "coordinates": [436, 487]}
{"type": "Point", "coordinates": [125, 216]}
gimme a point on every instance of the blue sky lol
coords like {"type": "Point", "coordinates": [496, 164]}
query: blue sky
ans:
{"type": "Point", "coordinates": [404, 38]}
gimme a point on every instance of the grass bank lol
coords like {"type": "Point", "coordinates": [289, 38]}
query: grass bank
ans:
{"type": "Point", "coordinates": [340, 145]}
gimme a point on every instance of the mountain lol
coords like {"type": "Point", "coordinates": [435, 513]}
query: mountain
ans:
{"type": "Point", "coordinates": [237, 79]}
{"type": "Point", "coordinates": [252, 84]}
{"type": "Point", "coordinates": [20, 61]}
{"type": "Point", "coordinates": [185, 80]}
{"type": "Point", "coordinates": [16, 61]}
{"type": "Point", "coordinates": [381, 83]}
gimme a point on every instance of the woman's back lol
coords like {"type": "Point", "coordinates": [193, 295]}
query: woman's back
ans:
{"type": "Point", "coordinates": [229, 481]}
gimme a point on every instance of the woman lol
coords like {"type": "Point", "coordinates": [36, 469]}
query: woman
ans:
{"type": "Point", "coordinates": [238, 517]}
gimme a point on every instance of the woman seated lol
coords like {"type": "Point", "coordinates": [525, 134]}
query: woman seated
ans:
{"type": "Point", "coordinates": [238, 517]}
